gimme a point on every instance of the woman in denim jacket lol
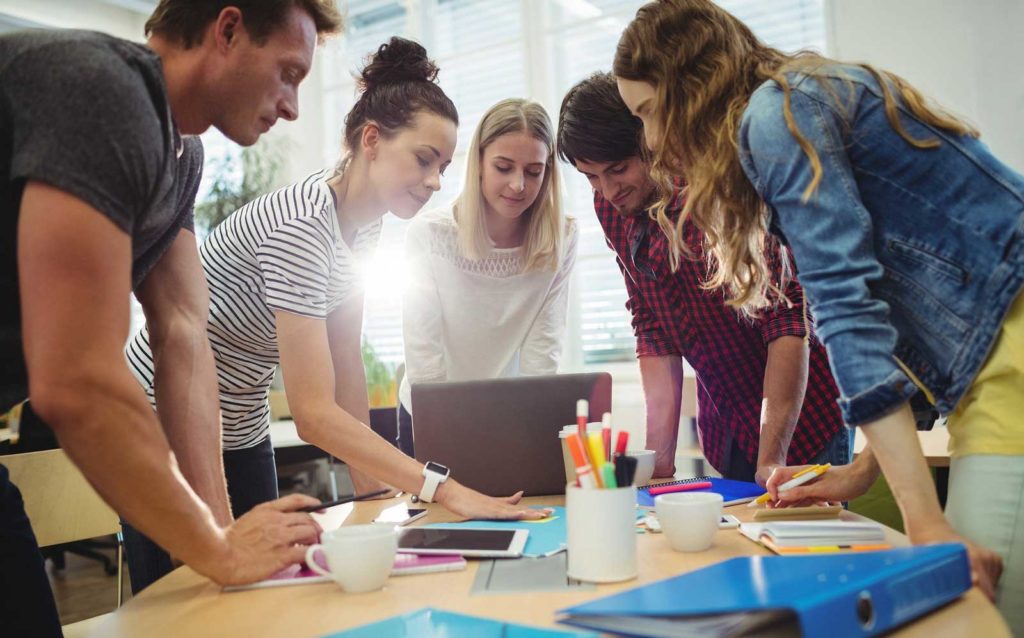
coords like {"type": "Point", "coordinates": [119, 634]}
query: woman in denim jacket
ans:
{"type": "Point", "coordinates": [908, 236]}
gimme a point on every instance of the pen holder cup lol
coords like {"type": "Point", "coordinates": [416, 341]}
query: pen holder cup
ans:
{"type": "Point", "coordinates": [570, 466]}
{"type": "Point", "coordinates": [601, 533]}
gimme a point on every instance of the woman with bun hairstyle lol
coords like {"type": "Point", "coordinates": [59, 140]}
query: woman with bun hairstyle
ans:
{"type": "Point", "coordinates": [490, 273]}
{"type": "Point", "coordinates": [908, 236]}
{"type": "Point", "coordinates": [285, 290]}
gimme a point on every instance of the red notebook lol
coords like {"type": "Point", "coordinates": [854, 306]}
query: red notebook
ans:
{"type": "Point", "coordinates": [405, 564]}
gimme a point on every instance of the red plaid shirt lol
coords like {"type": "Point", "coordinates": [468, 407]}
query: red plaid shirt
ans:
{"type": "Point", "coordinates": [674, 316]}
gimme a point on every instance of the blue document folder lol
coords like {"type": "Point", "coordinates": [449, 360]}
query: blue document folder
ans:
{"type": "Point", "coordinates": [437, 623]}
{"type": "Point", "coordinates": [835, 595]}
{"type": "Point", "coordinates": [732, 491]}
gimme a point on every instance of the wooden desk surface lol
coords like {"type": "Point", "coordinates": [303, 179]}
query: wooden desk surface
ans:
{"type": "Point", "coordinates": [185, 604]}
{"type": "Point", "coordinates": [934, 443]}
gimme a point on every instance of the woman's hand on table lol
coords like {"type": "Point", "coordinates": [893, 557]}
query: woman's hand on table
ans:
{"type": "Point", "coordinates": [839, 483]}
{"type": "Point", "coordinates": [986, 565]}
{"type": "Point", "coordinates": [468, 503]}
{"type": "Point", "coordinates": [264, 541]}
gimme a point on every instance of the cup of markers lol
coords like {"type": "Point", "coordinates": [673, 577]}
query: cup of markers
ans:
{"type": "Point", "coordinates": [600, 509]}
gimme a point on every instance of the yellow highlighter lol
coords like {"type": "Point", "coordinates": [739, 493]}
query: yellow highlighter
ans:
{"type": "Point", "coordinates": [595, 450]}
{"type": "Point", "coordinates": [803, 476]}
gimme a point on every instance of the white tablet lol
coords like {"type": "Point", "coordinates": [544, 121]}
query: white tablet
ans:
{"type": "Point", "coordinates": [483, 543]}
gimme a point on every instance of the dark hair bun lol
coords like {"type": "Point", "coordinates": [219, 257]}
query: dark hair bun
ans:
{"type": "Point", "coordinates": [396, 62]}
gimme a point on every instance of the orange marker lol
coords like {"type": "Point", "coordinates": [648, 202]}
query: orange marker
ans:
{"type": "Point", "coordinates": [584, 473]}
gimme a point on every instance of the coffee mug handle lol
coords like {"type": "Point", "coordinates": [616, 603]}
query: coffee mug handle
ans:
{"type": "Point", "coordinates": [311, 560]}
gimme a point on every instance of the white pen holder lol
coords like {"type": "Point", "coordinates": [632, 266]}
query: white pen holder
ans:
{"type": "Point", "coordinates": [601, 534]}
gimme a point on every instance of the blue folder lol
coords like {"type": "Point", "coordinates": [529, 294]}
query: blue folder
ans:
{"type": "Point", "coordinates": [835, 595]}
{"type": "Point", "coordinates": [437, 623]}
{"type": "Point", "coordinates": [732, 491]}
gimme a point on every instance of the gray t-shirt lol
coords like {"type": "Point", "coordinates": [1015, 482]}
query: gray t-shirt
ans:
{"type": "Point", "coordinates": [87, 113]}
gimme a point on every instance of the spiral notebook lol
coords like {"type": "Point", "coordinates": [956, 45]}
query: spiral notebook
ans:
{"type": "Point", "coordinates": [732, 492]}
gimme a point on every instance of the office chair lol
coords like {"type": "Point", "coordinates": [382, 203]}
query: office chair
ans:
{"type": "Point", "coordinates": [63, 507]}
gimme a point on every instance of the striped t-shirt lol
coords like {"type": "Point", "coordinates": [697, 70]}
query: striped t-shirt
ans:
{"type": "Point", "coordinates": [282, 251]}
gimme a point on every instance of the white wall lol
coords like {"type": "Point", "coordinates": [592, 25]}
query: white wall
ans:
{"type": "Point", "coordinates": [80, 14]}
{"type": "Point", "coordinates": [965, 54]}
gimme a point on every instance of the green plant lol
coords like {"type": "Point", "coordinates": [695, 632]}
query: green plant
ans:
{"type": "Point", "coordinates": [380, 378]}
{"type": "Point", "coordinates": [238, 177]}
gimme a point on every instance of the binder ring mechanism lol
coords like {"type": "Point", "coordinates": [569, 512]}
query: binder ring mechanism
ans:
{"type": "Point", "coordinates": [866, 610]}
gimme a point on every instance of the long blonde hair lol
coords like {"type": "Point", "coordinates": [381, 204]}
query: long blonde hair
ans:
{"type": "Point", "coordinates": [704, 65]}
{"type": "Point", "coordinates": [544, 223]}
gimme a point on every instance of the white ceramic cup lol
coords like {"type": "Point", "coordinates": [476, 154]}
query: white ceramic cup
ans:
{"type": "Point", "coordinates": [644, 466]}
{"type": "Point", "coordinates": [601, 533]}
{"type": "Point", "coordinates": [689, 520]}
{"type": "Point", "coordinates": [359, 557]}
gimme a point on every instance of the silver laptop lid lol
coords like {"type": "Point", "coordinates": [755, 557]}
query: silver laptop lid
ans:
{"type": "Point", "coordinates": [500, 436]}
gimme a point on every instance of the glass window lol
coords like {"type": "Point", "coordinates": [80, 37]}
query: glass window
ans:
{"type": "Point", "coordinates": [487, 50]}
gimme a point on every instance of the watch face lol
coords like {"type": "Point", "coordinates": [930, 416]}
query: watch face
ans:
{"type": "Point", "coordinates": [437, 468]}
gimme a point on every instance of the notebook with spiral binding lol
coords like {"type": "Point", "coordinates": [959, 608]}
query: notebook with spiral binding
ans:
{"type": "Point", "coordinates": [732, 492]}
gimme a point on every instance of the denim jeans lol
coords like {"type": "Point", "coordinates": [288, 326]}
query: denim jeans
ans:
{"type": "Point", "coordinates": [986, 505]}
{"type": "Point", "coordinates": [27, 607]}
{"type": "Point", "coordinates": [838, 451]}
{"type": "Point", "coordinates": [252, 479]}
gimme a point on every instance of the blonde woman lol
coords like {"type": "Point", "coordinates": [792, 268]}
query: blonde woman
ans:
{"type": "Point", "coordinates": [490, 273]}
{"type": "Point", "coordinates": [909, 238]}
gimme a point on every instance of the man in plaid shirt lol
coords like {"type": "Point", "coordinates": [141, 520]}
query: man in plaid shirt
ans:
{"type": "Point", "coordinates": [765, 393]}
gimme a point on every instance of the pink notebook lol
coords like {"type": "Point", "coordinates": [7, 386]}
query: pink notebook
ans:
{"type": "Point", "coordinates": [405, 564]}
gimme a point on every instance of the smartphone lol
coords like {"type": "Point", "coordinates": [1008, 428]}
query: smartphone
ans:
{"type": "Point", "coordinates": [400, 514]}
{"type": "Point", "coordinates": [728, 521]}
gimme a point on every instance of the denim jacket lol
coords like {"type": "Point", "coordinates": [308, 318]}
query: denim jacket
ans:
{"type": "Point", "coordinates": [910, 257]}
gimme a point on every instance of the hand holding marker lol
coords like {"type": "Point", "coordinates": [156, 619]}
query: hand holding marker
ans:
{"type": "Point", "coordinates": [803, 476]}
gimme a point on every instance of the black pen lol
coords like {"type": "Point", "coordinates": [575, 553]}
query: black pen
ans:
{"type": "Point", "coordinates": [341, 501]}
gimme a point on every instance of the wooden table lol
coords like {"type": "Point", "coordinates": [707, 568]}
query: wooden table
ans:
{"type": "Point", "coordinates": [185, 604]}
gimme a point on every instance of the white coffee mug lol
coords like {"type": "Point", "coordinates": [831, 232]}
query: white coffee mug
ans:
{"type": "Point", "coordinates": [359, 557]}
{"type": "Point", "coordinates": [644, 466]}
{"type": "Point", "coordinates": [689, 519]}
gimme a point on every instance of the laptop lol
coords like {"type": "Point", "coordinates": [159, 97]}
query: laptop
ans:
{"type": "Point", "coordinates": [499, 436]}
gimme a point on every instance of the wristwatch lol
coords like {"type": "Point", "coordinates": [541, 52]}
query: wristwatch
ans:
{"type": "Point", "coordinates": [433, 475]}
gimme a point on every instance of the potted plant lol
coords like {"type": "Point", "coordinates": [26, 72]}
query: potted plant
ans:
{"type": "Point", "coordinates": [380, 379]}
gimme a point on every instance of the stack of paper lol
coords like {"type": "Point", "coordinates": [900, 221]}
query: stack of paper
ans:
{"type": "Point", "coordinates": [794, 537]}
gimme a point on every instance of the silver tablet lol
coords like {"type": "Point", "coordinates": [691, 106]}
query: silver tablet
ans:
{"type": "Point", "coordinates": [483, 543]}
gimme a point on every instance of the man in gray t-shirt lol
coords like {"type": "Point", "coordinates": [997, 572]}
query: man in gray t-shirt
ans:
{"type": "Point", "coordinates": [97, 179]}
